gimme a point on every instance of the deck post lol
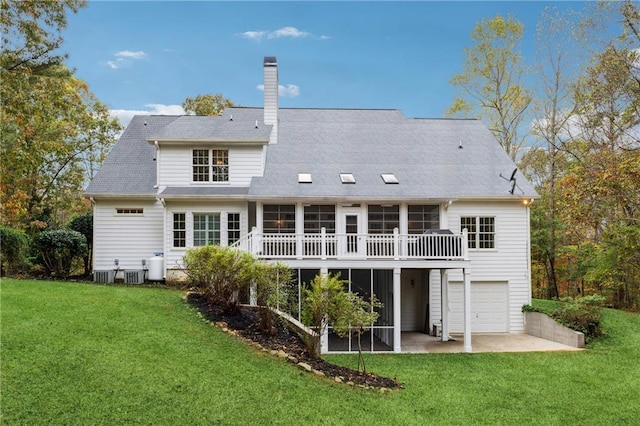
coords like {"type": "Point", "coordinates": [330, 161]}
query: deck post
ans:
{"type": "Point", "coordinates": [323, 243]}
{"type": "Point", "coordinates": [467, 310]}
{"type": "Point", "coordinates": [397, 319]}
{"type": "Point", "coordinates": [444, 298]}
{"type": "Point", "coordinates": [396, 244]}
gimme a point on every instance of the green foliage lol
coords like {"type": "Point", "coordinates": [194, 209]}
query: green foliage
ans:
{"type": "Point", "coordinates": [319, 305]}
{"type": "Point", "coordinates": [354, 316]}
{"type": "Point", "coordinates": [272, 283]}
{"type": "Point", "coordinates": [13, 247]}
{"type": "Point", "coordinates": [222, 274]}
{"type": "Point", "coordinates": [30, 32]}
{"type": "Point", "coordinates": [583, 314]}
{"type": "Point", "coordinates": [56, 250]}
{"type": "Point", "coordinates": [84, 224]}
{"type": "Point", "coordinates": [55, 133]}
{"type": "Point", "coordinates": [207, 104]}
{"type": "Point", "coordinates": [326, 302]}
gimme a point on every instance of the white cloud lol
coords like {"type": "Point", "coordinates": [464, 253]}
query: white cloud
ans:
{"type": "Point", "coordinates": [284, 32]}
{"type": "Point", "coordinates": [125, 58]}
{"type": "Point", "coordinates": [292, 32]}
{"type": "Point", "coordinates": [129, 54]}
{"type": "Point", "coordinates": [288, 91]}
{"type": "Point", "coordinates": [253, 35]}
{"type": "Point", "coordinates": [124, 116]}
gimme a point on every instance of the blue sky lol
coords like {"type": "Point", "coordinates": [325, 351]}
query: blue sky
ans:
{"type": "Point", "coordinates": [147, 57]}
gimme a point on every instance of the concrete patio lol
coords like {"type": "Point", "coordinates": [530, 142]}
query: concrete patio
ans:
{"type": "Point", "coordinates": [416, 342]}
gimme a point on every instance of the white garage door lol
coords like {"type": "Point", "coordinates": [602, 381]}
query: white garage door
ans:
{"type": "Point", "coordinates": [489, 307]}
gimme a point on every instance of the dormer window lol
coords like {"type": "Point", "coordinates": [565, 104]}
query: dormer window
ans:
{"type": "Point", "coordinates": [210, 165]}
{"type": "Point", "coordinates": [347, 178]}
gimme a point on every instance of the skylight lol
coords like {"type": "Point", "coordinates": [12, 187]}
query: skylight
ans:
{"type": "Point", "coordinates": [389, 178]}
{"type": "Point", "coordinates": [347, 178]}
{"type": "Point", "coordinates": [304, 178]}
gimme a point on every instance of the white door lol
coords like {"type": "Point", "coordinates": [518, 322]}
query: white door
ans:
{"type": "Point", "coordinates": [489, 307]}
{"type": "Point", "coordinates": [352, 240]}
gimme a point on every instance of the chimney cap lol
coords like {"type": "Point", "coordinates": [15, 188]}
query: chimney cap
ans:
{"type": "Point", "coordinates": [270, 61]}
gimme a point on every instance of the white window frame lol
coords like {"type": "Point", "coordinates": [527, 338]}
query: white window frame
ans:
{"type": "Point", "coordinates": [212, 234]}
{"type": "Point", "coordinates": [474, 235]}
{"type": "Point", "coordinates": [214, 168]}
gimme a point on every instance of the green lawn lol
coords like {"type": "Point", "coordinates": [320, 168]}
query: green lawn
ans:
{"type": "Point", "coordinates": [92, 354]}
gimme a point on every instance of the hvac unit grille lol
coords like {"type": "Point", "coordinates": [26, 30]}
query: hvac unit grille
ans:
{"type": "Point", "coordinates": [103, 276]}
{"type": "Point", "coordinates": [133, 277]}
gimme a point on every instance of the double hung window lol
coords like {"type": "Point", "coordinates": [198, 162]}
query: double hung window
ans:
{"type": "Point", "coordinates": [210, 165]}
{"type": "Point", "coordinates": [206, 229]}
{"type": "Point", "coordinates": [480, 230]}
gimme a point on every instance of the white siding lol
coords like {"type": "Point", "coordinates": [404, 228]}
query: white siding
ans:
{"type": "Point", "coordinates": [129, 238]}
{"type": "Point", "coordinates": [175, 165]}
{"type": "Point", "coordinates": [508, 262]}
{"type": "Point", "coordinates": [173, 255]}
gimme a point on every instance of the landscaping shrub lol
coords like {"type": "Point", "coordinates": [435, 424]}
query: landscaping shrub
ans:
{"type": "Point", "coordinates": [13, 245]}
{"type": "Point", "coordinates": [84, 224]}
{"type": "Point", "coordinates": [582, 314]}
{"type": "Point", "coordinates": [223, 275]}
{"type": "Point", "coordinates": [273, 287]}
{"type": "Point", "coordinates": [55, 250]}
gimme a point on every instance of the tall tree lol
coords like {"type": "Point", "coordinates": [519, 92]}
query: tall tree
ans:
{"type": "Point", "coordinates": [31, 32]}
{"type": "Point", "coordinates": [600, 189]}
{"type": "Point", "coordinates": [554, 108]}
{"type": "Point", "coordinates": [207, 104]}
{"type": "Point", "coordinates": [54, 131]}
{"type": "Point", "coordinates": [492, 84]}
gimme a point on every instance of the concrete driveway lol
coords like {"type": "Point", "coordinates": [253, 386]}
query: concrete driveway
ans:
{"type": "Point", "coordinates": [416, 342]}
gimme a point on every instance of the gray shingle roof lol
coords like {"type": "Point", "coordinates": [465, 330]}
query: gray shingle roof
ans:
{"type": "Point", "coordinates": [213, 128]}
{"type": "Point", "coordinates": [423, 154]}
{"type": "Point", "coordinates": [130, 168]}
{"type": "Point", "coordinates": [220, 191]}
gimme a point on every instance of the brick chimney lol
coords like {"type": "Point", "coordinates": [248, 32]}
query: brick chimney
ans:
{"type": "Point", "coordinates": [271, 95]}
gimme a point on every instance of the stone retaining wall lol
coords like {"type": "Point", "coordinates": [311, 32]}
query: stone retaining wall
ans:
{"type": "Point", "coordinates": [540, 325]}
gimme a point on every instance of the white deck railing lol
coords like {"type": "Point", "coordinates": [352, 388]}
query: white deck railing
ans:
{"type": "Point", "coordinates": [356, 246]}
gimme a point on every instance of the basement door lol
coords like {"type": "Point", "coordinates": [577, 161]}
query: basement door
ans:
{"type": "Point", "coordinates": [489, 307]}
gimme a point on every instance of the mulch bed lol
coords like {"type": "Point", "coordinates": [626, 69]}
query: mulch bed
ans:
{"type": "Point", "coordinates": [285, 344]}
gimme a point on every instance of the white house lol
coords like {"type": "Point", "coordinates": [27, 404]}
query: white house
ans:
{"type": "Point", "coordinates": [428, 214]}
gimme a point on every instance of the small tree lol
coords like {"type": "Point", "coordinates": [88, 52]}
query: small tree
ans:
{"type": "Point", "coordinates": [55, 250]}
{"type": "Point", "coordinates": [326, 302]}
{"type": "Point", "coordinates": [320, 302]}
{"type": "Point", "coordinates": [354, 316]}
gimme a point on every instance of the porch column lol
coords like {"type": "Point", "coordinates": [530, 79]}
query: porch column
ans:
{"type": "Point", "coordinates": [299, 229]}
{"type": "Point", "coordinates": [467, 310]}
{"type": "Point", "coordinates": [444, 298]}
{"type": "Point", "coordinates": [397, 318]}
